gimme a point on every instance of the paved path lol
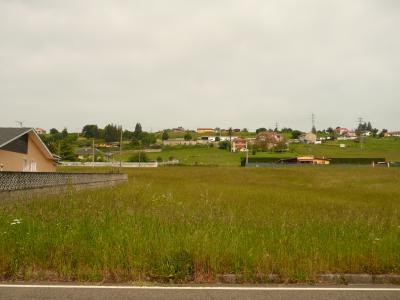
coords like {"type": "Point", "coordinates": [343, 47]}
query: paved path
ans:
{"type": "Point", "coordinates": [114, 292]}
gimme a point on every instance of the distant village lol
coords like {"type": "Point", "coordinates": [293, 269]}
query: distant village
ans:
{"type": "Point", "coordinates": [94, 144]}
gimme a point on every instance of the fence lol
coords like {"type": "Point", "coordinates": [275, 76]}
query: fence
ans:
{"type": "Point", "coordinates": [153, 164]}
{"type": "Point", "coordinates": [17, 181]}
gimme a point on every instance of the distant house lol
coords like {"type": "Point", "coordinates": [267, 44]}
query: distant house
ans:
{"type": "Point", "coordinates": [308, 138]}
{"type": "Point", "coordinates": [351, 135]}
{"type": "Point", "coordinates": [267, 140]}
{"type": "Point", "coordinates": [367, 133]}
{"type": "Point", "coordinates": [22, 150]}
{"type": "Point", "coordinates": [239, 144]}
{"type": "Point", "coordinates": [205, 130]}
{"type": "Point", "coordinates": [394, 133]}
{"type": "Point", "coordinates": [178, 129]}
{"type": "Point", "coordinates": [341, 130]}
{"type": "Point", "coordinates": [87, 153]}
{"type": "Point", "coordinates": [40, 131]}
{"type": "Point", "coordinates": [182, 141]}
{"type": "Point", "coordinates": [306, 160]}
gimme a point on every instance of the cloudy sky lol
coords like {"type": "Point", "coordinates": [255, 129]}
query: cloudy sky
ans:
{"type": "Point", "coordinates": [204, 63]}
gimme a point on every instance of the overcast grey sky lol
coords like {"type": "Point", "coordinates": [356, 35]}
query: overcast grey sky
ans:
{"type": "Point", "coordinates": [203, 63]}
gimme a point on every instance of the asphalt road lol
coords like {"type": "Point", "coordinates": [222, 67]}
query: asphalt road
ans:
{"type": "Point", "coordinates": [63, 292]}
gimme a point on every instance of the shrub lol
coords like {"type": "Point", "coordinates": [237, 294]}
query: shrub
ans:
{"type": "Point", "coordinates": [139, 157]}
{"type": "Point", "coordinates": [224, 145]}
{"type": "Point", "coordinates": [356, 160]}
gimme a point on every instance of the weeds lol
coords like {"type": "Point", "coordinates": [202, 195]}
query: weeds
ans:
{"type": "Point", "coordinates": [191, 224]}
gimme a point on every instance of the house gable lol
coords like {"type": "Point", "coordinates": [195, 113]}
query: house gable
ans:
{"type": "Point", "coordinates": [19, 145]}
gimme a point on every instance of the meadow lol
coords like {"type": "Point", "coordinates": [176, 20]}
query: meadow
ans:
{"type": "Point", "coordinates": [388, 148]}
{"type": "Point", "coordinates": [191, 223]}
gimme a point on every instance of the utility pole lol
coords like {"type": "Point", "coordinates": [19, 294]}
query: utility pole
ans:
{"type": "Point", "coordinates": [247, 154]}
{"type": "Point", "coordinates": [120, 151]}
{"type": "Point", "coordinates": [230, 137]}
{"type": "Point", "coordinates": [20, 123]}
{"type": "Point", "coordinates": [360, 125]}
{"type": "Point", "coordinates": [276, 126]}
{"type": "Point", "coordinates": [93, 153]}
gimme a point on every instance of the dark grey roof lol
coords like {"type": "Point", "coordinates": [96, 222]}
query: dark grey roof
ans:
{"type": "Point", "coordinates": [87, 151]}
{"type": "Point", "coordinates": [8, 134]}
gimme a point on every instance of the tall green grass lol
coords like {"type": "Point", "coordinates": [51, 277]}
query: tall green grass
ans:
{"type": "Point", "coordinates": [185, 224]}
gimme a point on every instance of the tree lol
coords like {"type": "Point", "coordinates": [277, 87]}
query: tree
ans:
{"type": "Point", "coordinates": [382, 133]}
{"type": "Point", "coordinates": [49, 141]}
{"type": "Point", "coordinates": [66, 151]}
{"type": "Point", "coordinates": [165, 135]}
{"type": "Point", "coordinates": [64, 133]}
{"type": "Point", "coordinates": [286, 130]}
{"type": "Point", "coordinates": [90, 131]}
{"type": "Point", "coordinates": [111, 133]}
{"type": "Point", "coordinates": [224, 145]}
{"type": "Point", "coordinates": [369, 127]}
{"type": "Point", "coordinates": [296, 134]}
{"type": "Point", "coordinates": [261, 129]}
{"type": "Point", "coordinates": [217, 138]}
{"type": "Point", "coordinates": [187, 136]}
{"type": "Point", "coordinates": [135, 141]}
{"type": "Point", "coordinates": [245, 130]}
{"type": "Point", "coordinates": [53, 131]}
{"type": "Point", "coordinates": [138, 130]}
{"type": "Point", "coordinates": [148, 139]}
{"type": "Point", "coordinates": [127, 134]}
{"type": "Point", "coordinates": [330, 130]}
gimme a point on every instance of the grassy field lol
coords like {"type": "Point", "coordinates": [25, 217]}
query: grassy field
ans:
{"type": "Point", "coordinates": [191, 223]}
{"type": "Point", "coordinates": [388, 148]}
{"type": "Point", "coordinates": [194, 156]}
{"type": "Point", "coordinates": [385, 148]}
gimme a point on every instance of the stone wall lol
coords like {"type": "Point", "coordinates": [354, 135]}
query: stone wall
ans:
{"type": "Point", "coordinates": [27, 181]}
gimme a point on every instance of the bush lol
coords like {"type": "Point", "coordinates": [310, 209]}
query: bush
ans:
{"type": "Point", "coordinates": [224, 145]}
{"type": "Point", "coordinates": [259, 160]}
{"type": "Point", "coordinates": [139, 157]}
{"type": "Point", "coordinates": [356, 160]}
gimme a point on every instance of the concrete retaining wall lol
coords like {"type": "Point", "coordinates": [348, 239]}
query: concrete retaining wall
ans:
{"type": "Point", "coordinates": [20, 183]}
{"type": "Point", "coordinates": [153, 164]}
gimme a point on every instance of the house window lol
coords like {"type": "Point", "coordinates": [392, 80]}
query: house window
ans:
{"type": "Point", "coordinates": [25, 167]}
{"type": "Point", "coordinates": [33, 166]}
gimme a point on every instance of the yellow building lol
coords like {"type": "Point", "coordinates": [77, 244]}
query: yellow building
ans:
{"type": "Point", "coordinates": [205, 130]}
{"type": "Point", "coordinates": [313, 160]}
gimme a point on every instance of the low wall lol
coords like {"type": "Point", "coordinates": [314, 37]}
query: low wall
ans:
{"type": "Point", "coordinates": [153, 164]}
{"type": "Point", "coordinates": [13, 182]}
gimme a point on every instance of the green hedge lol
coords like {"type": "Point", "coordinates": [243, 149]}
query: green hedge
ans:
{"type": "Point", "coordinates": [356, 160]}
{"type": "Point", "coordinates": [336, 160]}
{"type": "Point", "coordinates": [260, 160]}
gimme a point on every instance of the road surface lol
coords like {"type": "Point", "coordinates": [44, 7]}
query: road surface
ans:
{"type": "Point", "coordinates": [114, 292]}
